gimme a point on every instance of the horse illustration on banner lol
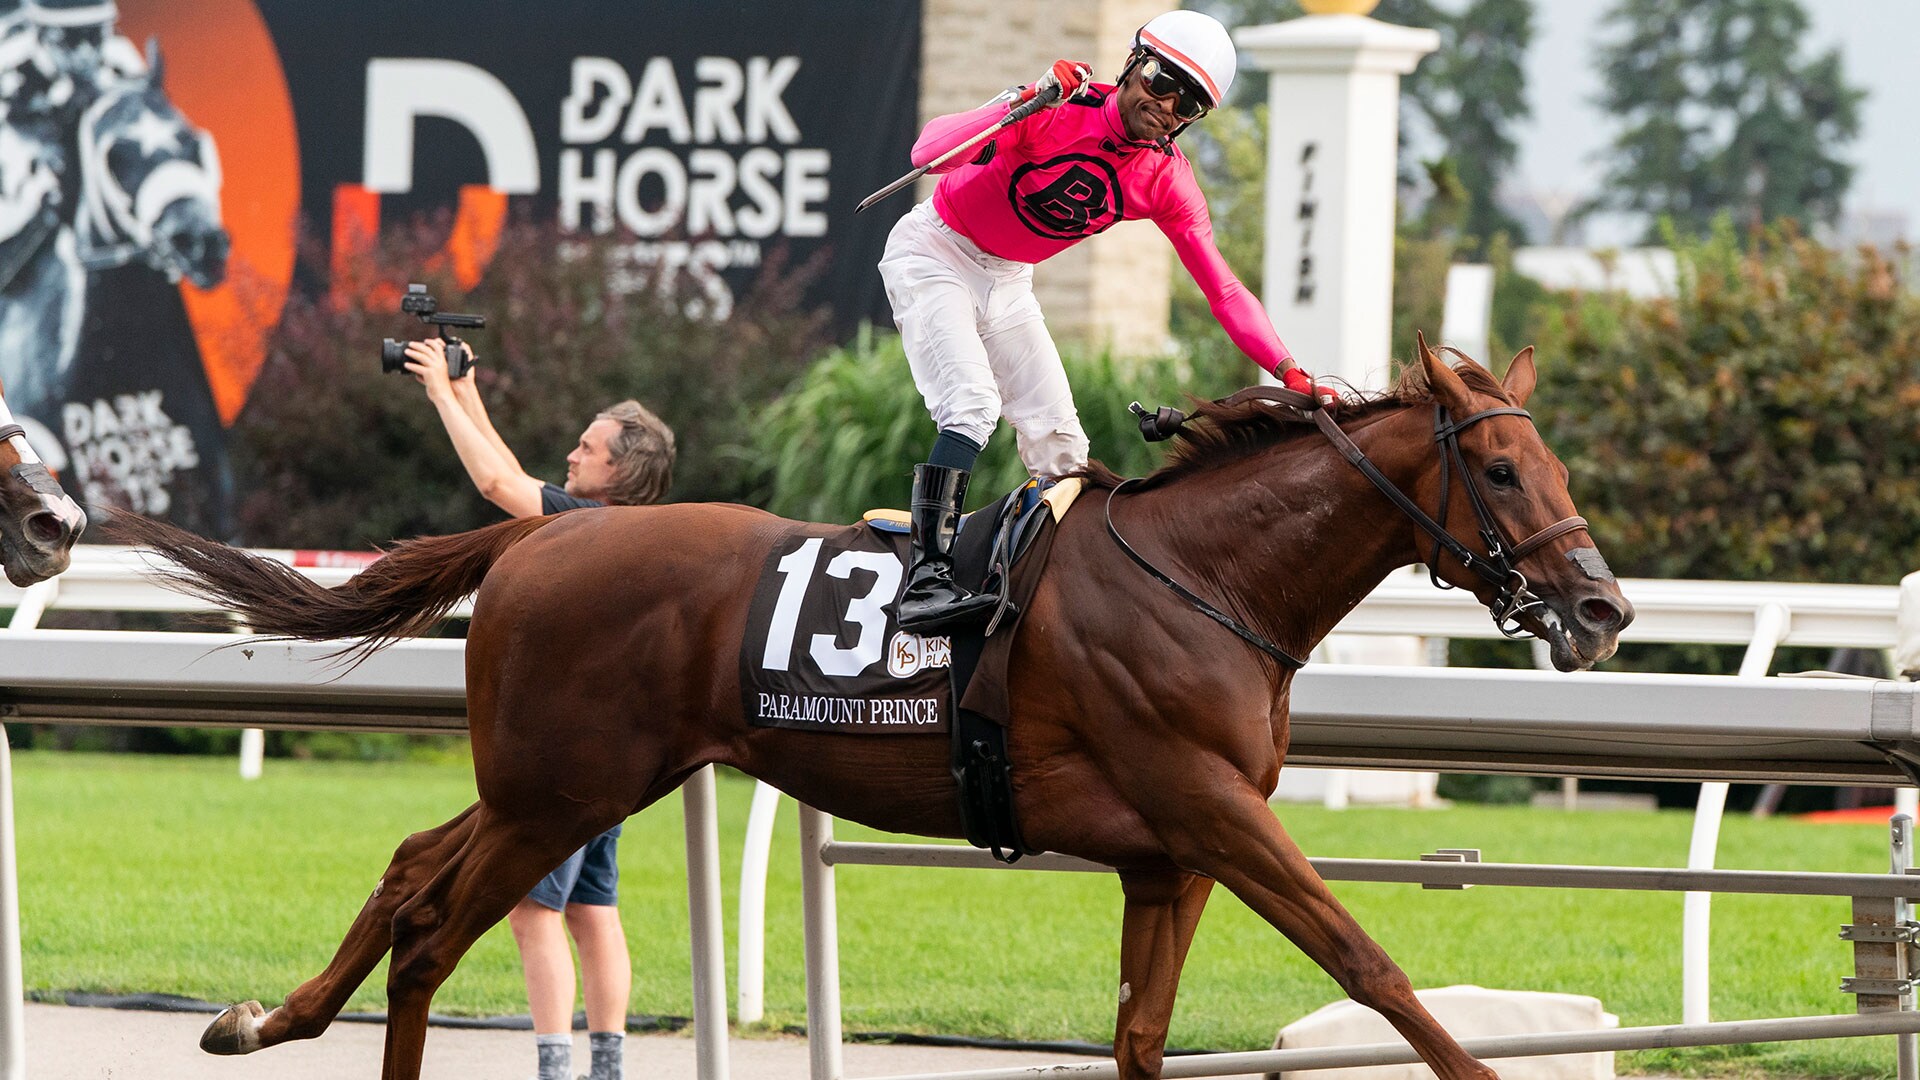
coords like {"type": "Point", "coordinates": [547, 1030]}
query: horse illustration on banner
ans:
{"type": "Point", "coordinates": [89, 303]}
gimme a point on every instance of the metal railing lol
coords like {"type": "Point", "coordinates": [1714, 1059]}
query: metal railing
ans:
{"type": "Point", "coordinates": [1510, 721]}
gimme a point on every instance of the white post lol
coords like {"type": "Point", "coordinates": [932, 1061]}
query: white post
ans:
{"type": "Point", "coordinates": [33, 604]}
{"type": "Point", "coordinates": [253, 741]}
{"type": "Point", "coordinates": [13, 1009]}
{"type": "Point", "coordinates": [1332, 151]}
{"type": "Point", "coordinates": [253, 751]}
{"type": "Point", "coordinates": [822, 919]}
{"type": "Point", "coordinates": [1770, 626]}
{"type": "Point", "coordinates": [754, 856]}
{"type": "Point", "coordinates": [1467, 320]}
{"type": "Point", "coordinates": [703, 913]}
{"type": "Point", "coordinates": [1906, 1047]}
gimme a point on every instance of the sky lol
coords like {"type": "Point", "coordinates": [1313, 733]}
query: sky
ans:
{"type": "Point", "coordinates": [1877, 41]}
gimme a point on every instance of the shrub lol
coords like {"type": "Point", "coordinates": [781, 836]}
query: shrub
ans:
{"type": "Point", "coordinates": [846, 437]}
{"type": "Point", "coordinates": [331, 453]}
{"type": "Point", "coordinates": [1761, 424]}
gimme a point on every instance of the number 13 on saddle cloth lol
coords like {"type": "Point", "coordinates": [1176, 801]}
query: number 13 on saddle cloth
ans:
{"type": "Point", "coordinates": [824, 652]}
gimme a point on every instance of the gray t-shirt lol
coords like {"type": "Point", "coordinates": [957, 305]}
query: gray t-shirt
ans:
{"type": "Point", "coordinates": [554, 498]}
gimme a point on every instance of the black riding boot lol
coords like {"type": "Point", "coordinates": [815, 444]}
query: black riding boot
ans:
{"type": "Point", "coordinates": [932, 603]}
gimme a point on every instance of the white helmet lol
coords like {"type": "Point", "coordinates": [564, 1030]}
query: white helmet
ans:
{"type": "Point", "coordinates": [1195, 43]}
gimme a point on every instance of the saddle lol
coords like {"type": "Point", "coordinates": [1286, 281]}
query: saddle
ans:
{"type": "Point", "coordinates": [1000, 551]}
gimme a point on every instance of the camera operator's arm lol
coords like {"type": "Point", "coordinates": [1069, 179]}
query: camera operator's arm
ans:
{"type": "Point", "coordinates": [497, 475]}
{"type": "Point", "coordinates": [466, 391]}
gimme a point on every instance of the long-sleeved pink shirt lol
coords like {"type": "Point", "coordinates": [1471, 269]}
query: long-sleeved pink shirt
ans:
{"type": "Point", "coordinates": [1068, 172]}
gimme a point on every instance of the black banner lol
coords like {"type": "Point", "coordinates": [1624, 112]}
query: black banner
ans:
{"type": "Point", "coordinates": [159, 158]}
{"type": "Point", "coordinates": [713, 132]}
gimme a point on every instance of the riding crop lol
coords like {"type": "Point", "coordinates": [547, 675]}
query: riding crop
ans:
{"type": "Point", "coordinates": [1038, 101]}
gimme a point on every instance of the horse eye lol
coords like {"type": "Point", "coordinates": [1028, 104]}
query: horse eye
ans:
{"type": "Point", "coordinates": [1502, 475]}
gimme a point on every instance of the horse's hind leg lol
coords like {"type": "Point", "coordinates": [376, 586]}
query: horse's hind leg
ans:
{"type": "Point", "coordinates": [1220, 826]}
{"type": "Point", "coordinates": [504, 857]}
{"type": "Point", "coordinates": [1163, 908]}
{"type": "Point", "coordinates": [246, 1027]}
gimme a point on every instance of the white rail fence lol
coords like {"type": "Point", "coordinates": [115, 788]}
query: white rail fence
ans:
{"type": "Point", "coordinates": [1759, 616]}
{"type": "Point", "coordinates": [1673, 727]}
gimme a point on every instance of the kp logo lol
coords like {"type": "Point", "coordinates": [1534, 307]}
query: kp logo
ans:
{"type": "Point", "coordinates": [909, 654]}
{"type": "Point", "coordinates": [1067, 197]}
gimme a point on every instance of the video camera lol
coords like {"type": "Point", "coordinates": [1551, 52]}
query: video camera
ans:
{"type": "Point", "coordinates": [418, 302]}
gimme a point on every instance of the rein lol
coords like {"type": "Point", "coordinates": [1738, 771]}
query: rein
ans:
{"type": "Point", "coordinates": [1498, 567]}
{"type": "Point", "coordinates": [1251, 637]}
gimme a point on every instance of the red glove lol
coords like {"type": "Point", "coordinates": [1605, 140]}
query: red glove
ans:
{"type": "Point", "coordinates": [1068, 75]}
{"type": "Point", "coordinates": [1302, 383]}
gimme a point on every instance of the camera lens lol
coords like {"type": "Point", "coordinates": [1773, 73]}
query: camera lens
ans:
{"type": "Point", "coordinates": [393, 355]}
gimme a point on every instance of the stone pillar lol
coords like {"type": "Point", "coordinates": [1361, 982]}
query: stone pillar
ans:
{"type": "Point", "coordinates": [1332, 143]}
{"type": "Point", "coordinates": [1332, 162]}
{"type": "Point", "coordinates": [1113, 290]}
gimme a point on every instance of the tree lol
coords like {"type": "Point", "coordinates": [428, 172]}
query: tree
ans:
{"type": "Point", "coordinates": [1723, 114]}
{"type": "Point", "coordinates": [1468, 95]}
{"type": "Point", "coordinates": [1472, 93]}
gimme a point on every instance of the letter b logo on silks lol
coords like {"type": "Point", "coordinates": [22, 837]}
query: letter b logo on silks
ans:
{"type": "Point", "coordinates": [1066, 198]}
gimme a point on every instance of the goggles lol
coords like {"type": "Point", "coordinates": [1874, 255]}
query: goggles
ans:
{"type": "Point", "coordinates": [1164, 81]}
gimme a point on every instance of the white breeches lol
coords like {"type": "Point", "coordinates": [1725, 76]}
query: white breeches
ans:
{"type": "Point", "coordinates": [977, 343]}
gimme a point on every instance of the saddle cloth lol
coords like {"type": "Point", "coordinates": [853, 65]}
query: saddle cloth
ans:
{"type": "Point", "coordinates": [823, 650]}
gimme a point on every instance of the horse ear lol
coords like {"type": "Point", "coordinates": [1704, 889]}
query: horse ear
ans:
{"type": "Point", "coordinates": [1521, 377]}
{"type": "Point", "coordinates": [154, 65]}
{"type": "Point", "coordinates": [1447, 388]}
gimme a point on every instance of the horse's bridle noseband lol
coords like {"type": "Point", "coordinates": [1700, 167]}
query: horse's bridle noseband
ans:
{"type": "Point", "coordinates": [1498, 567]}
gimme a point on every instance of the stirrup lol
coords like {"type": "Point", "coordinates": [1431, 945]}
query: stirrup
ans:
{"type": "Point", "coordinates": [966, 609]}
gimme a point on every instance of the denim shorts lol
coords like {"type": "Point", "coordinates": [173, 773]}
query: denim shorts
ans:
{"type": "Point", "coordinates": [589, 876]}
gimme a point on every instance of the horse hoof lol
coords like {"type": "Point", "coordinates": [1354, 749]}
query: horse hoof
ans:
{"type": "Point", "coordinates": [236, 1031]}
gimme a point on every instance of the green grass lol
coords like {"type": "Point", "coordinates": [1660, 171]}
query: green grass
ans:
{"type": "Point", "coordinates": [170, 874]}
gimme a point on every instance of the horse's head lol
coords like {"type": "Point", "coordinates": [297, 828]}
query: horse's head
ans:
{"type": "Point", "coordinates": [1504, 466]}
{"type": "Point", "coordinates": [152, 182]}
{"type": "Point", "coordinates": [38, 522]}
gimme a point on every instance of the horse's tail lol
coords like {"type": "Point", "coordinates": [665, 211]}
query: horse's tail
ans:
{"type": "Point", "coordinates": [403, 595]}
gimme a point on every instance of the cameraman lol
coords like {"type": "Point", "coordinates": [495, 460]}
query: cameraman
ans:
{"type": "Point", "coordinates": [625, 457]}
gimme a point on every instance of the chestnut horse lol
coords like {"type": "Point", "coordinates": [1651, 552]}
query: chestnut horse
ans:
{"type": "Point", "coordinates": [603, 669]}
{"type": "Point", "coordinates": [38, 521]}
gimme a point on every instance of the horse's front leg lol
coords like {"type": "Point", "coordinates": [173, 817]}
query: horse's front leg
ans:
{"type": "Point", "coordinates": [1163, 908]}
{"type": "Point", "coordinates": [1213, 822]}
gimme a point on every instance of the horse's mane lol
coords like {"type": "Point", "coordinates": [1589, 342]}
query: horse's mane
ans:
{"type": "Point", "coordinates": [1216, 433]}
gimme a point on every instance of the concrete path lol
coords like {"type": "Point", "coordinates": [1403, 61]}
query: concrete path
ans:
{"type": "Point", "coordinates": [68, 1043]}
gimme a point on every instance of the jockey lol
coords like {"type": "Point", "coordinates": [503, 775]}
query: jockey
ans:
{"type": "Point", "coordinates": [958, 269]}
{"type": "Point", "coordinates": [81, 52]}
{"type": "Point", "coordinates": [29, 187]}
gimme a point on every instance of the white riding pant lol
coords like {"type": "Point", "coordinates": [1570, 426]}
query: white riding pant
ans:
{"type": "Point", "coordinates": [977, 343]}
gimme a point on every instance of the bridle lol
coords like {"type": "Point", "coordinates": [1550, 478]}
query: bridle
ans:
{"type": "Point", "coordinates": [1499, 567]}
{"type": "Point", "coordinates": [32, 472]}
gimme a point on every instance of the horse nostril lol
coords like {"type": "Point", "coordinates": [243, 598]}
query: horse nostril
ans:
{"type": "Point", "coordinates": [44, 528]}
{"type": "Point", "coordinates": [1599, 613]}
